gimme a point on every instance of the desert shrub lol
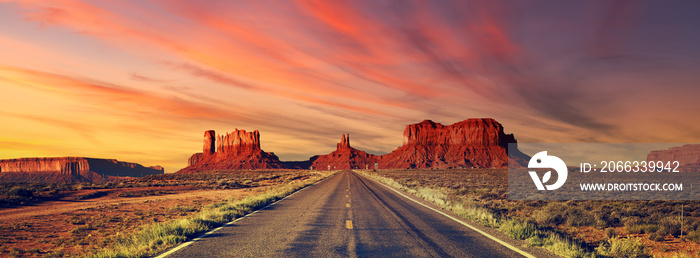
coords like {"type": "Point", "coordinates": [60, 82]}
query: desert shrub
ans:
{"type": "Point", "coordinates": [432, 195]}
{"type": "Point", "coordinates": [489, 195]}
{"type": "Point", "coordinates": [650, 228]}
{"type": "Point", "coordinates": [656, 237]}
{"type": "Point", "coordinates": [91, 195]}
{"type": "Point", "coordinates": [182, 209]}
{"type": "Point", "coordinates": [610, 232]}
{"type": "Point", "coordinates": [518, 229]}
{"type": "Point", "coordinates": [565, 246]}
{"type": "Point", "coordinates": [606, 219]}
{"type": "Point", "coordinates": [634, 225]}
{"type": "Point", "coordinates": [77, 220]}
{"type": "Point", "coordinates": [20, 191]}
{"type": "Point", "coordinates": [693, 236]}
{"type": "Point", "coordinates": [576, 217]}
{"type": "Point", "coordinates": [622, 247]}
{"type": "Point", "coordinates": [550, 214]}
{"type": "Point", "coordinates": [557, 213]}
{"type": "Point", "coordinates": [479, 215]}
{"type": "Point", "coordinates": [52, 254]}
{"type": "Point", "coordinates": [669, 227]}
{"type": "Point", "coordinates": [81, 229]}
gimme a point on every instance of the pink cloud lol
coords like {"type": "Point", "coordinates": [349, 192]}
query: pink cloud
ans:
{"type": "Point", "coordinates": [111, 96]}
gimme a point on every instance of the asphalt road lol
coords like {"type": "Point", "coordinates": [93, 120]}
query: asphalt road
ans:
{"type": "Point", "coordinates": [346, 215]}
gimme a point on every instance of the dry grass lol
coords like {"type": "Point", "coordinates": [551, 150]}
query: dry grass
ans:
{"type": "Point", "coordinates": [153, 239]}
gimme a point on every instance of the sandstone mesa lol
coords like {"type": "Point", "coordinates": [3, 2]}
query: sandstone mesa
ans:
{"type": "Point", "coordinates": [70, 169]}
{"type": "Point", "coordinates": [479, 143]}
{"type": "Point", "coordinates": [235, 150]}
{"type": "Point", "coordinates": [688, 155]}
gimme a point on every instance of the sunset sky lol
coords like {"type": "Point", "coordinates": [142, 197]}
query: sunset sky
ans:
{"type": "Point", "coordinates": [141, 81]}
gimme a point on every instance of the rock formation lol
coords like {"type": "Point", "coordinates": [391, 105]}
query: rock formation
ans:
{"type": "Point", "coordinates": [235, 150]}
{"type": "Point", "coordinates": [470, 143]}
{"type": "Point", "coordinates": [209, 143]}
{"type": "Point", "coordinates": [70, 169]}
{"type": "Point", "coordinates": [687, 155]}
{"type": "Point", "coordinates": [345, 157]}
{"type": "Point", "coordinates": [194, 159]}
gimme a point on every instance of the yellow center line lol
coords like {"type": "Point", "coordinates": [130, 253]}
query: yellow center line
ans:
{"type": "Point", "coordinates": [348, 224]}
{"type": "Point", "coordinates": [347, 195]}
{"type": "Point", "coordinates": [347, 205]}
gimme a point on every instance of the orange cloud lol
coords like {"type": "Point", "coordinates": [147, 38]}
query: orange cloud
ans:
{"type": "Point", "coordinates": [281, 65]}
{"type": "Point", "coordinates": [111, 96]}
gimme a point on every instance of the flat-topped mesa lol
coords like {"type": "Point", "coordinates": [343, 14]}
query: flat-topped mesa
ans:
{"type": "Point", "coordinates": [688, 154]}
{"type": "Point", "coordinates": [478, 142]}
{"type": "Point", "coordinates": [475, 131]}
{"type": "Point", "coordinates": [344, 142]}
{"type": "Point", "coordinates": [70, 169]}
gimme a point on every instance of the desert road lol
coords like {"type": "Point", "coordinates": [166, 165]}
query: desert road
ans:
{"type": "Point", "coordinates": [346, 215]}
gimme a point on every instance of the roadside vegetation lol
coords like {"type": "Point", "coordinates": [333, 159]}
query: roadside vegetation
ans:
{"type": "Point", "coordinates": [146, 227]}
{"type": "Point", "coordinates": [21, 194]}
{"type": "Point", "coordinates": [153, 239]}
{"type": "Point", "coordinates": [567, 228]}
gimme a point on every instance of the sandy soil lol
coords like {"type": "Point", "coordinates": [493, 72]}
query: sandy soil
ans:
{"type": "Point", "coordinates": [75, 227]}
{"type": "Point", "coordinates": [71, 202]}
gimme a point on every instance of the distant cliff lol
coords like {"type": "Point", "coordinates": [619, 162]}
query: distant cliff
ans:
{"type": "Point", "coordinates": [688, 156]}
{"type": "Point", "coordinates": [70, 169]}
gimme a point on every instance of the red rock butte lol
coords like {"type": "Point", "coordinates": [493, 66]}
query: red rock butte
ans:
{"type": "Point", "coordinates": [478, 143]}
{"type": "Point", "coordinates": [235, 150]}
{"type": "Point", "coordinates": [471, 143]}
{"type": "Point", "coordinates": [344, 157]}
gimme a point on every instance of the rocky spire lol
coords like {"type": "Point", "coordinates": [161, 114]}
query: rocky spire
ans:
{"type": "Point", "coordinates": [209, 142]}
{"type": "Point", "coordinates": [344, 142]}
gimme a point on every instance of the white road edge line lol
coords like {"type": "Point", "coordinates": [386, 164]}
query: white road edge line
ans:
{"type": "Point", "coordinates": [185, 244]}
{"type": "Point", "coordinates": [509, 246]}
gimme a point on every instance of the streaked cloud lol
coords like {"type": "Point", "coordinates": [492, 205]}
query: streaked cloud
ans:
{"type": "Point", "coordinates": [305, 71]}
